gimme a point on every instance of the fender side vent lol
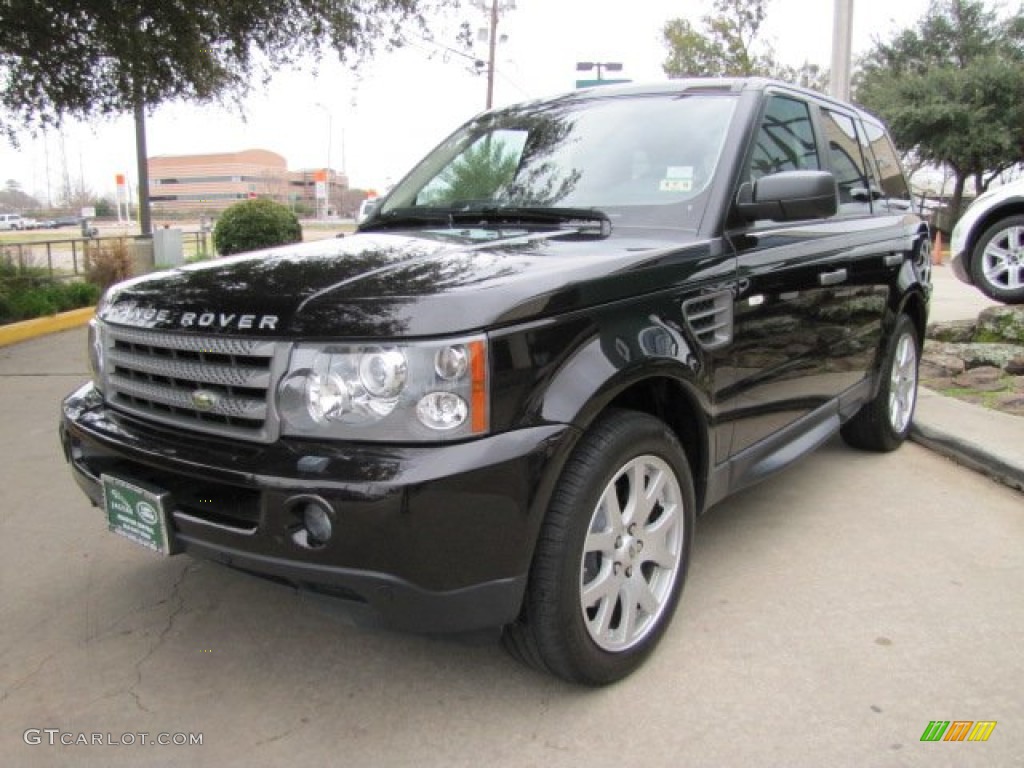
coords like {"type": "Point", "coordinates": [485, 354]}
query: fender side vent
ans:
{"type": "Point", "coordinates": [710, 319]}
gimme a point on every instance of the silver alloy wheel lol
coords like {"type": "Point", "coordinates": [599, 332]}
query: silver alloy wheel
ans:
{"type": "Point", "coordinates": [903, 383]}
{"type": "Point", "coordinates": [632, 554]}
{"type": "Point", "coordinates": [1002, 261]}
{"type": "Point", "coordinates": [924, 261]}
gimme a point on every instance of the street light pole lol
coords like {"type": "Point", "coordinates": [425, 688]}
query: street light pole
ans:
{"type": "Point", "coordinates": [842, 36]}
{"type": "Point", "coordinates": [611, 66]}
{"type": "Point", "coordinates": [330, 134]}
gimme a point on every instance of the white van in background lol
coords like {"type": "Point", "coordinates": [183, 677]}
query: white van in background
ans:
{"type": "Point", "coordinates": [11, 221]}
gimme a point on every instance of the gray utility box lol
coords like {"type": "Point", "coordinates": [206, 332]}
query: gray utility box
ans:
{"type": "Point", "coordinates": [167, 247]}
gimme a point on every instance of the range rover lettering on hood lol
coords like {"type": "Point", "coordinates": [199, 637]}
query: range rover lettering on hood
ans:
{"type": "Point", "coordinates": [130, 313]}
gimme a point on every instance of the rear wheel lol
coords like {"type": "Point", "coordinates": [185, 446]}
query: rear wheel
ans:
{"type": "Point", "coordinates": [612, 554]}
{"type": "Point", "coordinates": [884, 423]}
{"type": "Point", "coordinates": [997, 264]}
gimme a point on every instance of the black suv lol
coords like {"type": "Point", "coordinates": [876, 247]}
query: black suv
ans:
{"type": "Point", "coordinates": [574, 326]}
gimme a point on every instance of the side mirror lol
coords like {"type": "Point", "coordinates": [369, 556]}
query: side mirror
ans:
{"type": "Point", "coordinates": [789, 196]}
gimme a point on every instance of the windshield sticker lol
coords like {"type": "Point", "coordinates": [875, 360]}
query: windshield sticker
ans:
{"type": "Point", "coordinates": [675, 185]}
{"type": "Point", "coordinates": [679, 172]}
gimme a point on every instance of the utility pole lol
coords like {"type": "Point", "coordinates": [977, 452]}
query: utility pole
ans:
{"type": "Point", "coordinates": [494, 11]}
{"type": "Point", "coordinates": [842, 37]}
{"type": "Point", "coordinates": [142, 165]}
{"type": "Point", "coordinates": [490, 53]}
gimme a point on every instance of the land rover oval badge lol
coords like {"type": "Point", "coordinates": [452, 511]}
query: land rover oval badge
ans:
{"type": "Point", "coordinates": [204, 400]}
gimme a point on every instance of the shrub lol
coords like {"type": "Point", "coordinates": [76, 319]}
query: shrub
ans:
{"type": "Point", "coordinates": [29, 304]}
{"type": "Point", "coordinates": [254, 224]}
{"type": "Point", "coordinates": [25, 302]}
{"type": "Point", "coordinates": [82, 294]}
{"type": "Point", "coordinates": [109, 264]}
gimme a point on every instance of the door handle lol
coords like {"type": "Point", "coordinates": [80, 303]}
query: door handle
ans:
{"type": "Point", "coordinates": [832, 278]}
{"type": "Point", "coordinates": [893, 259]}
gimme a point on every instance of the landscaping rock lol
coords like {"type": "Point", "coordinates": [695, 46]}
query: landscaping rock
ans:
{"type": "Point", "coordinates": [979, 361]}
{"type": "Point", "coordinates": [984, 379]}
{"type": "Point", "coordinates": [1011, 403]}
{"type": "Point", "coordinates": [980, 355]}
{"type": "Point", "coordinates": [1001, 324]}
{"type": "Point", "coordinates": [957, 331]}
{"type": "Point", "coordinates": [938, 365]}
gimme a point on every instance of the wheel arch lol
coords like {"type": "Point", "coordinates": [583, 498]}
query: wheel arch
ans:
{"type": "Point", "coordinates": [659, 387]}
{"type": "Point", "coordinates": [1014, 207]}
{"type": "Point", "coordinates": [915, 306]}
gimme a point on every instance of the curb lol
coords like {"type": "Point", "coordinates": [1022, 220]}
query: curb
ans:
{"type": "Point", "coordinates": [968, 454]}
{"type": "Point", "coordinates": [12, 333]}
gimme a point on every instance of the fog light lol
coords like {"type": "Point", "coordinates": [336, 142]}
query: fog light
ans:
{"type": "Point", "coordinates": [318, 524]}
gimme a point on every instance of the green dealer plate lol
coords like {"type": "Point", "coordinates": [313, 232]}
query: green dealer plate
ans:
{"type": "Point", "coordinates": [137, 513]}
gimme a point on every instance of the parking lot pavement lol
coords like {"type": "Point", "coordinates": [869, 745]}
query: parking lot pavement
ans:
{"type": "Point", "coordinates": [831, 613]}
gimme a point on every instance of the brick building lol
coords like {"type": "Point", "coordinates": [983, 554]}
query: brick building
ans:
{"type": "Point", "coordinates": [183, 184]}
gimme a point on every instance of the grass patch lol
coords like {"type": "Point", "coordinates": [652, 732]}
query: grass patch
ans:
{"type": "Point", "coordinates": [988, 399]}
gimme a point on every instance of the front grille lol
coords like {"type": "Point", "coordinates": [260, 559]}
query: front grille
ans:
{"type": "Point", "coordinates": [221, 386]}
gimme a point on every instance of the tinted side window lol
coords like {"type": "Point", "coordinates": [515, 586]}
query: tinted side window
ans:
{"type": "Point", "coordinates": [845, 157]}
{"type": "Point", "coordinates": [785, 140]}
{"type": "Point", "coordinates": [894, 185]}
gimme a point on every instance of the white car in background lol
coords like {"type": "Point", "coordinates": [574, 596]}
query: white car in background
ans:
{"type": "Point", "coordinates": [11, 221]}
{"type": "Point", "coordinates": [988, 244]}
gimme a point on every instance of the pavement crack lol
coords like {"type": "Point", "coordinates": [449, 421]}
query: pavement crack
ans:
{"type": "Point", "coordinates": [284, 734]}
{"type": "Point", "coordinates": [177, 606]}
{"type": "Point", "coordinates": [17, 685]}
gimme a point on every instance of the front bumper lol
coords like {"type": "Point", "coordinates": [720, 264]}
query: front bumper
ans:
{"type": "Point", "coordinates": [959, 255]}
{"type": "Point", "coordinates": [432, 538]}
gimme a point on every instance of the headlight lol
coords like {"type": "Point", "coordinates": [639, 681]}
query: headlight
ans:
{"type": "Point", "coordinates": [417, 392]}
{"type": "Point", "coordinates": [96, 353]}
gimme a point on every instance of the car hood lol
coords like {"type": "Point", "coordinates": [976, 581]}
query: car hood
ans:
{"type": "Point", "coordinates": [402, 284]}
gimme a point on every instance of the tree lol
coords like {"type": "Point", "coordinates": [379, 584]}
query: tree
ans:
{"type": "Point", "coordinates": [12, 198]}
{"type": "Point", "coordinates": [952, 91]}
{"type": "Point", "coordinates": [87, 58]}
{"type": "Point", "coordinates": [724, 46]}
{"type": "Point", "coordinates": [478, 173]}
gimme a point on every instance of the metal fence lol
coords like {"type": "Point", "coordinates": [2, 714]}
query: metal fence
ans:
{"type": "Point", "coordinates": [69, 258]}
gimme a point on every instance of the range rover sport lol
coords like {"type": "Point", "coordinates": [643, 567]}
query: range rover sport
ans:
{"type": "Point", "coordinates": [577, 324]}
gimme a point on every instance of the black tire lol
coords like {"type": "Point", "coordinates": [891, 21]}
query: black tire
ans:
{"type": "Point", "coordinates": [603, 641]}
{"type": "Point", "coordinates": [883, 423]}
{"type": "Point", "coordinates": [997, 261]}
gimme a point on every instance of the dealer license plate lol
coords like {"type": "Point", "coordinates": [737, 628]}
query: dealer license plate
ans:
{"type": "Point", "coordinates": [137, 513]}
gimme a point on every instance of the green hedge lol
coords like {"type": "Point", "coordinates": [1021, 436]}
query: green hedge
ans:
{"type": "Point", "coordinates": [254, 224]}
{"type": "Point", "coordinates": [26, 298]}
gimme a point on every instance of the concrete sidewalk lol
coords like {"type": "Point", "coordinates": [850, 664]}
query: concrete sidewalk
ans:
{"type": "Point", "coordinates": [984, 440]}
{"type": "Point", "coordinates": [977, 437]}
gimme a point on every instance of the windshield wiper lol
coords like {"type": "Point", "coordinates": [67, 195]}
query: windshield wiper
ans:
{"type": "Point", "coordinates": [580, 220]}
{"type": "Point", "coordinates": [404, 217]}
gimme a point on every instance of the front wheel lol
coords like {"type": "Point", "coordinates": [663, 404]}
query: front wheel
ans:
{"type": "Point", "coordinates": [612, 554]}
{"type": "Point", "coordinates": [883, 423]}
{"type": "Point", "coordinates": [997, 264]}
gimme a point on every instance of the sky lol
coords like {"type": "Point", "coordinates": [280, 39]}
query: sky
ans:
{"type": "Point", "coordinates": [375, 121]}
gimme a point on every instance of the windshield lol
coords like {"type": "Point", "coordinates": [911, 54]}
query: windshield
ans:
{"type": "Point", "coordinates": [642, 160]}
